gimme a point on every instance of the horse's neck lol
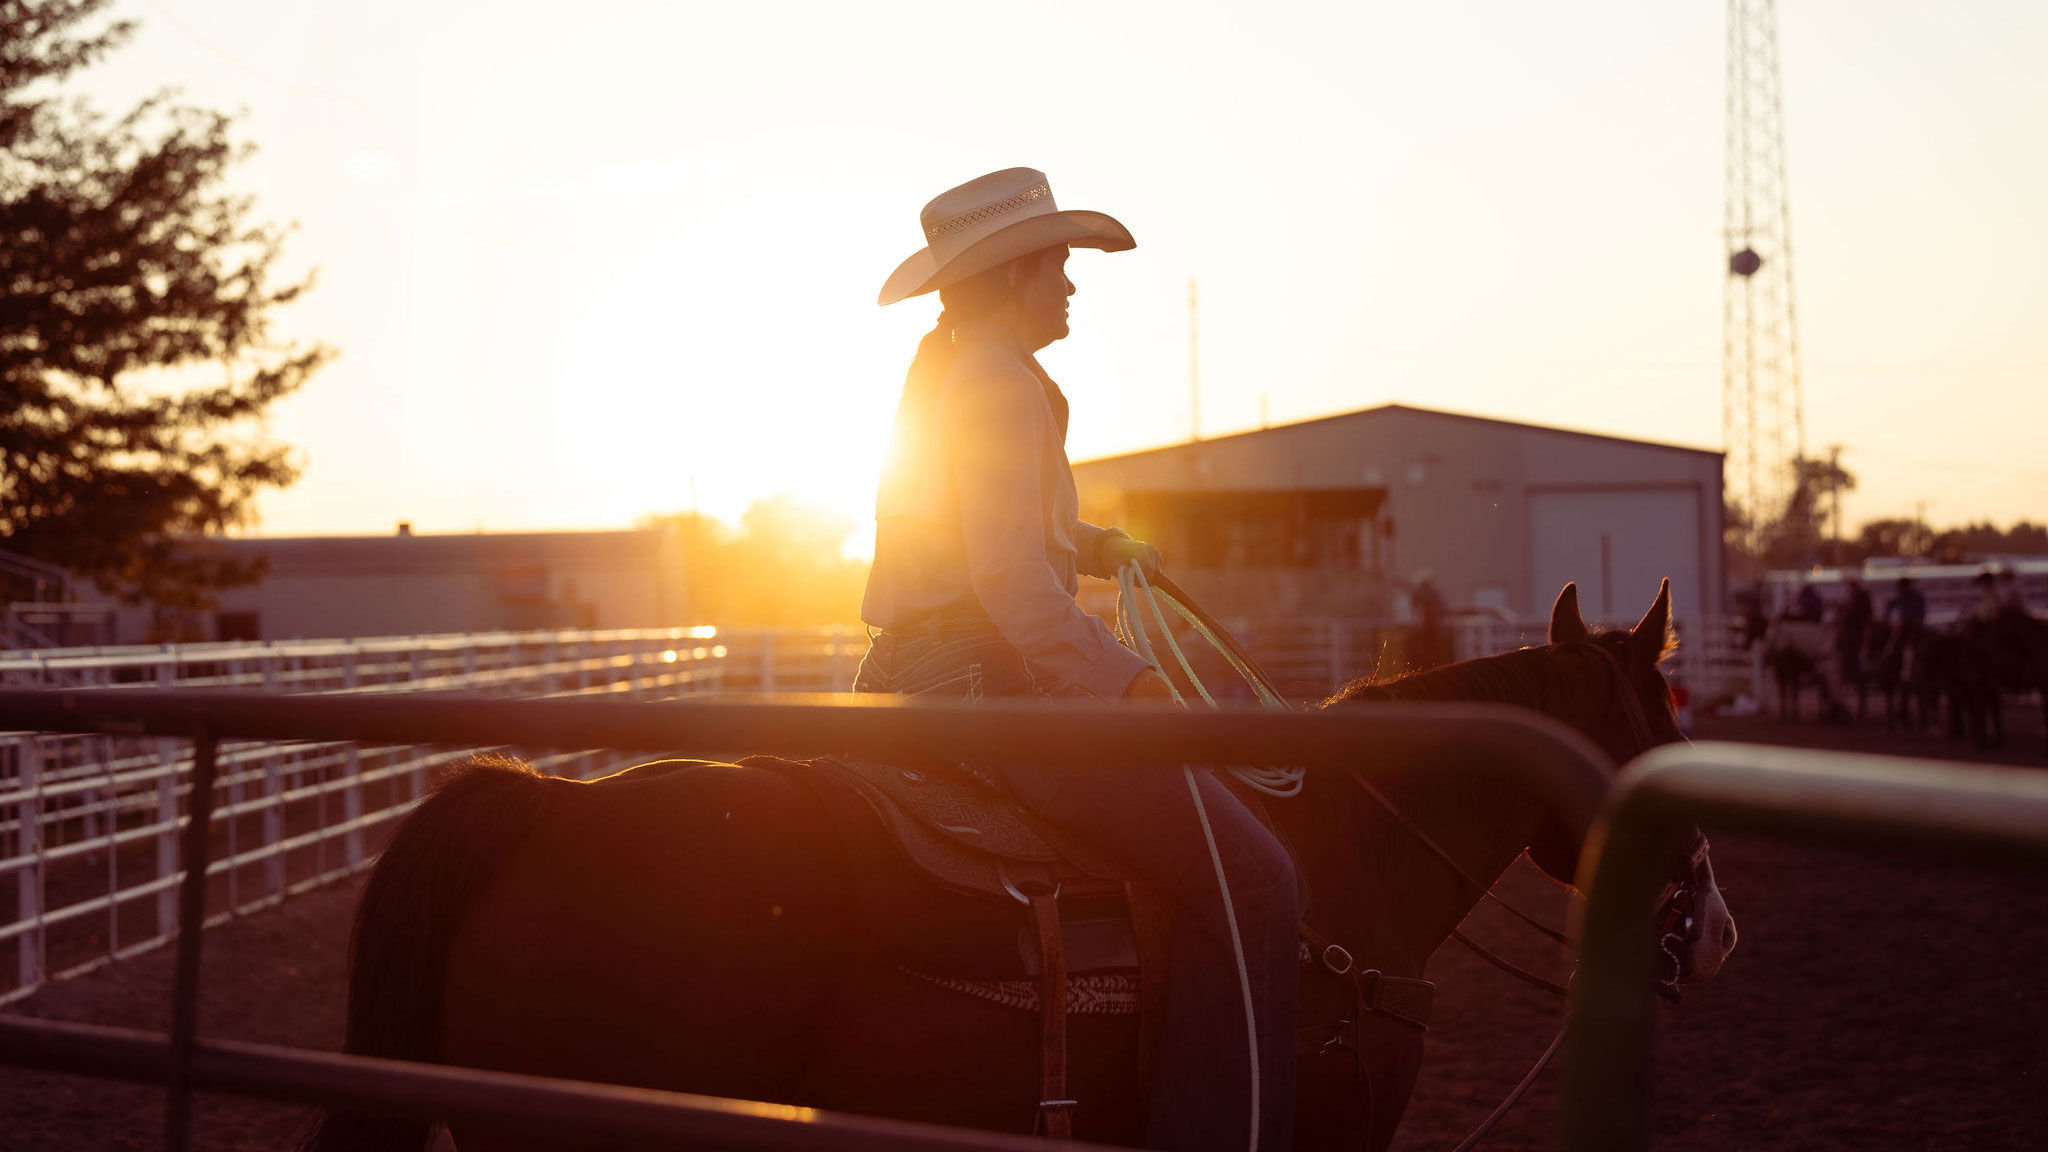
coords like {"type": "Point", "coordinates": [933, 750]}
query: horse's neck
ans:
{"type": "Point", "coordinates": [1484, 825]}
{"type": "Point", "coordinates": [1376, 887]}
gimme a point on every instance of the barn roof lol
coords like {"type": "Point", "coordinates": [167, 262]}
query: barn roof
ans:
{"type": "Point", "coordinates": [1364, 415]}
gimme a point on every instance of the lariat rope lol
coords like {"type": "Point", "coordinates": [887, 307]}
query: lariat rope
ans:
{"type": "Point", "coordinates": [1130, 584]}
{"type": "Point", "coordinates": [1134, 589]}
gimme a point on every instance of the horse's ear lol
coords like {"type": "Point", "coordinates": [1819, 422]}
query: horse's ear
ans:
{"type": "Point", "coordinates": [1649, 633]}
{"type": "Point", "coordinates": [1565, 624]}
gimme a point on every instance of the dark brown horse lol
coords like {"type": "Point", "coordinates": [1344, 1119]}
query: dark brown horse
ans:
{"type": "Point", "coordinates": [713, 929]}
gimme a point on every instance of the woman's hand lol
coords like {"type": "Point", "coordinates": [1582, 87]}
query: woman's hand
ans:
{"type": "Point", "coordinates": [1116, 551]}
{"type": "Point", "coordinates": [1148, 686]}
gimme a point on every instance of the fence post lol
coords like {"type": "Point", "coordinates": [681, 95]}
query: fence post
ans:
{"type": "Point", "coordinates": [352, 795]}
{"type": "Point", "coordinates": [167, 810]}
{"type": "Point", "coordinates": [29, 880]}
{"type": "Point", "coordinates": [1334, 638]}
{"type": "Point", "coordinates": [94, 803]}
{"type": "Point", "coordinates": [273, 798]}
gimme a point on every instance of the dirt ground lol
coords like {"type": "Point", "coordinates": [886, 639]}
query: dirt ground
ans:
{"type": "Point", "coordinates": [1871, 1004]}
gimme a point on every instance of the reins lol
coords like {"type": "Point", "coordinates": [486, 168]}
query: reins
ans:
{"type": "Point", "coordinates": [1134, 589]}
{"type": "Point", "coordinates": [1134, 586]}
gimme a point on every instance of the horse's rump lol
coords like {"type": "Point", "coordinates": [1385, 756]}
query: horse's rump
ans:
{"type": "Point", "coordinates": [752, 931]}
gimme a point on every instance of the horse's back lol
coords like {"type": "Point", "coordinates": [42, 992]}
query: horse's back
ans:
{"type": "Point", "coordinates": [672, 925]}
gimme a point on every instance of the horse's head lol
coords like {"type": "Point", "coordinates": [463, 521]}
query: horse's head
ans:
{"type": "Point", "coordinates": [1627, 708]}
{"type": "Point", "coordinates": [1620, 698]}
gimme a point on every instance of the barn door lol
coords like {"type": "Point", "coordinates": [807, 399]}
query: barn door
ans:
{"type": "Point", "coordinates": [1617, 544]}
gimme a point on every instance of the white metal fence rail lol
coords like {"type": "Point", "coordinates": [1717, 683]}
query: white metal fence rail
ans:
{"type": "Point", "coordinates": [1310, 656]}
{"type": "Point", "coordinates": [89, 824]}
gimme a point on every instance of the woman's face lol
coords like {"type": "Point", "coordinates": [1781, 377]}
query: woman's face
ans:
{"type": "Point", "coordinates": [1041, 298]}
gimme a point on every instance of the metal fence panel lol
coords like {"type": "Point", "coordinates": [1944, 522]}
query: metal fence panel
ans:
{"type": "Point", "coordinates": [1883, 804]}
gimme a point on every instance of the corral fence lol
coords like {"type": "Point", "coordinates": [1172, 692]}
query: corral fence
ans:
{"type": "Point", "coordinates": [88, 822]}
{"type": "Point", "coordinates": [1984, 815]}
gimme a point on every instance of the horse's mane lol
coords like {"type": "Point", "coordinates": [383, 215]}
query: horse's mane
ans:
{"type": "Point", "coordinates": [1533, 677]}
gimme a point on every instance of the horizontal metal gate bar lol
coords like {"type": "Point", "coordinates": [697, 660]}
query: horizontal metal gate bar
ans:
{"type": "Point", "coordinates": [1101, 736]}
{"type": "Point", "coordinates": [1888, 805]}
{"type": "Point", "coordinates": [1470, 740]}
{"type": "Point", "coordinates": [533, 1105]}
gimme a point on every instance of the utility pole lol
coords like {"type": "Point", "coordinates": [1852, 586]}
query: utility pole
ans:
{"type": "Point", "coordinates": [1835, 491]}
{"type": "Point", "coordinates": [1194, 366]}
{"type": "Point", "coordinates": [1762, 420]}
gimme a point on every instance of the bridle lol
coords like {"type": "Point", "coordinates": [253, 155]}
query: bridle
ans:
{"type": "Point", "coordinates": [1678, 923]}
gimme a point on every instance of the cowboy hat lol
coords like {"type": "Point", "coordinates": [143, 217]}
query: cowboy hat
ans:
{"type": "Point", "coordinates": [991, 220]}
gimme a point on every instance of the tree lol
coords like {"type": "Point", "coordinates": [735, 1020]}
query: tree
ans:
{"type": "Point", "coordinates": [1893, 538]}
{"type": "Point", "coordinates": [784, 568]}
{"type": "Point", "coordinates": [136, 298]}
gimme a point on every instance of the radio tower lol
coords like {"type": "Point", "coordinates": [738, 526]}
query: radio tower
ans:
{"type": "Point", "coordinates": [1762, 423]}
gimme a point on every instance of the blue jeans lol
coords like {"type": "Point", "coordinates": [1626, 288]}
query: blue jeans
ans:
{"type": "Point", "coordinates": [1201, 1077]}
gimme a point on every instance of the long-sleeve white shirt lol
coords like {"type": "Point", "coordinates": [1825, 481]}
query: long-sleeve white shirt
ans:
{"type": "Point", "coordinates": [993, 527]}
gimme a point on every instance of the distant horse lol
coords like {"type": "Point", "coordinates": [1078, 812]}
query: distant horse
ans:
{"type": "Point", "coordinates": [2008, 653]}
{"type": "Point", "coordinates": [1897, 660]}
{"type": "Point", "coordinates": [1801, 652]}
{"type": "Point", "coordinates": [700, 928]}
{"type": "Point", "coordinates": [2026, 637]}
{"type": "Point", "coordinates": [1961, 670]}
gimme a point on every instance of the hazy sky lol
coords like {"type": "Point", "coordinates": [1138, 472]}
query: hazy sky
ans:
{"type": "Point", "coordinates": [579, 257]}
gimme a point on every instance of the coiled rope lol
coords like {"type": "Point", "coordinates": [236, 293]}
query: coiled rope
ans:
{"type": "Point", "coordinates": [1134, 595]}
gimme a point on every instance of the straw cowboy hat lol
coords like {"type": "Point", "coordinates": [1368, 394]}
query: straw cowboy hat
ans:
{"type": "Point", "coordinates": [993, 219]}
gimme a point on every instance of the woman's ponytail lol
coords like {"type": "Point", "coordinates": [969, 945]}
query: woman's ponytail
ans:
{"type": "Point", "coordinates": [912, 445]}
{"type": "Point", "coordinates": [911, 439]}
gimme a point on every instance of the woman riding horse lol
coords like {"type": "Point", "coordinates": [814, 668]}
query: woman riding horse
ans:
{"type": "Point", "coordinates": [978, 549]}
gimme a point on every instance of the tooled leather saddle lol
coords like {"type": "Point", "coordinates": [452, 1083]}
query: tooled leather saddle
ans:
{"type": "Point", "coordinates": [1097, 938]}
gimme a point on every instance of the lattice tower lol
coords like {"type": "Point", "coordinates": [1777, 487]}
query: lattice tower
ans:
{"type": "Point", "coordinates": [1762, 422]}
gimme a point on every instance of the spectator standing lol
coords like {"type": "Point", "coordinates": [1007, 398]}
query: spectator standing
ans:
{"type": "Point", "coordinates": [2011, 597]}
{"type": "Point", "coordinates": [1853, 628]}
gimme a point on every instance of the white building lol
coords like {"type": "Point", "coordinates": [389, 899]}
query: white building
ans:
{"type": "Point", "coordinates": [1337, 516]}
{"type": "Point", "coordinates": [355, 586]}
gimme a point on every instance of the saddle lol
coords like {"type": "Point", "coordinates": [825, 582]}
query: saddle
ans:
{"type": "Point", "coordinates": [1097, 938]}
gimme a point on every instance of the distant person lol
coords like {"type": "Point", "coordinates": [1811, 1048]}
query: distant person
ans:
{"type": "Point", "coordinates": [1806, 604]}
{"type": "Point", "coordinates": [1988, 604]}
{"type": "Point", "coordinates": [2011, 596]}
{"type": "Point", "coordinates": [1750, 606]}
{"type": "Point", "coordinates": [1907, 614]}
{"type": "Point", "coordinates": [978, 548]}
{"type": "Point", "coordinates": [1852, 628]}
{"type": "Point", "coordinates": [1431, 647]}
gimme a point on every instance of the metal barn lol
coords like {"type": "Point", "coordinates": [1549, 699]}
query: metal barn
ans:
{"type": "Point", "coordinates": [1339, 516]}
